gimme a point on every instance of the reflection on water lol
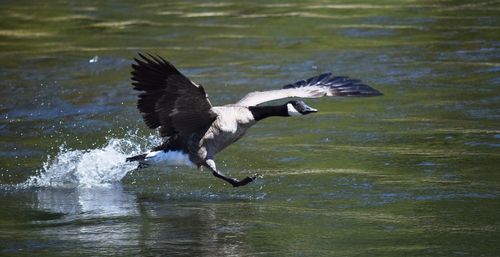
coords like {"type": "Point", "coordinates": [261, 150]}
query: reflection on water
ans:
{"type": "Point", "coordinates": [91, 216]}
{"type": "Point", "coordinates": [114, 220]}
{"type": "Point", "coordinates": [85, 202]}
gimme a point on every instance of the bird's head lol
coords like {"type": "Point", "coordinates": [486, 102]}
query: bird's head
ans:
{"type": "Point", "coordinates": [297, 108]}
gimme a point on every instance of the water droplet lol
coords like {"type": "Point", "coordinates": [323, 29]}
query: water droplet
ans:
{"type": "Point", "coordinates": [94, 59]}
{"type": "Point", "coordinates": [90, 167]}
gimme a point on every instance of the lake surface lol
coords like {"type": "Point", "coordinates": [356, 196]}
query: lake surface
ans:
{"type": "Point", "coordinates": [415, 172]}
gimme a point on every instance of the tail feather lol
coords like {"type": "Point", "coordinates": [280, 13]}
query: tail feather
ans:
{"type": "Point", "coordinates": [139, 157]}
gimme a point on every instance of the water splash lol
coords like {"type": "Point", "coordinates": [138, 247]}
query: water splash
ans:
{"type": "Point", "coordinates": [92, 167]}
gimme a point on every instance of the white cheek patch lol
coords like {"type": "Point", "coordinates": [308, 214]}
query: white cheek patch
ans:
{"type": "Point", "coordinates": [292, 111]}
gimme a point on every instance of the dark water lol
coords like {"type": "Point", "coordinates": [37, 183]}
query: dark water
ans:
{"type": "Point", "coordinates": [412, 173]}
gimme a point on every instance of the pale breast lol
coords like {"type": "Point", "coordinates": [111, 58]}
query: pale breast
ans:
{"type": "Point", "coordinates": [231, 124]}
{"type": "Point", "coordinates": [230, 118]}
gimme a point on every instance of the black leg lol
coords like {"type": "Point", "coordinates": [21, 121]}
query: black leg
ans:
{"type": "Point", "coordinates": [234, 182]}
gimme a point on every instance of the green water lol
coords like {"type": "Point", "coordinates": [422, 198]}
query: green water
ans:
{"type": "Point", "coordinates": [412, 173]}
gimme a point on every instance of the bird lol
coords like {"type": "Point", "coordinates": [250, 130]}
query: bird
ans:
{"type": "Point", "coordinates": [194, 131]}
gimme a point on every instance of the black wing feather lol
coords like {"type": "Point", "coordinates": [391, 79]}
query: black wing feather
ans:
{"type": "Point", "coordinates": [169, 100]}
{"type": "Point", "coordinates": [338, 85]}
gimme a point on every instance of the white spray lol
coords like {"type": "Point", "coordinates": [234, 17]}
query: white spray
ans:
{"type": "Point", "coordinates": [91, 167]}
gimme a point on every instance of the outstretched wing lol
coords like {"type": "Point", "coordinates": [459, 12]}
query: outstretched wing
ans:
{"type": "Point", "coordinates": [323, 85]}
{"type": "Point", "coordinates": [169, 100]}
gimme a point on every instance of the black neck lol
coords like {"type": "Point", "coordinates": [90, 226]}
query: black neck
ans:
{"type": "Point", "coordinates": [262, 112]}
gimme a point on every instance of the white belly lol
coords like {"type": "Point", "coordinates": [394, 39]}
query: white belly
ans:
{"type": "Point", "coordinates": [170, 158]}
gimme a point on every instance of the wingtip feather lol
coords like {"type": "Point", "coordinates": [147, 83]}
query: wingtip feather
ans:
{"type": "Point", "coordinates": [339, 85]}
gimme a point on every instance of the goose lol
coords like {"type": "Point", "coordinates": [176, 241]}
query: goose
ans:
{"type": "Point", "coordinates": [194, 130]}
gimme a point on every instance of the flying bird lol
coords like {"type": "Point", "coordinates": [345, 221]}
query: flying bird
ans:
{"type": "Point", "coordinates": [194, 131]}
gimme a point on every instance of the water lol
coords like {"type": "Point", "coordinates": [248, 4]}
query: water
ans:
{"type": "Point", "coordinates": [412, 173]}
